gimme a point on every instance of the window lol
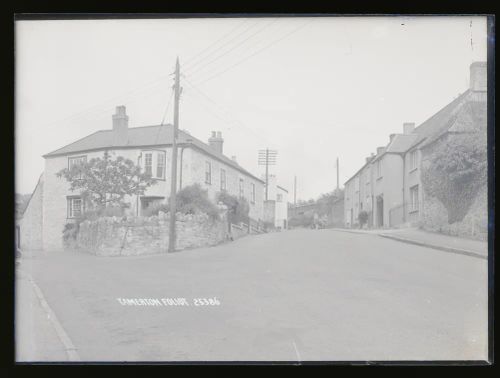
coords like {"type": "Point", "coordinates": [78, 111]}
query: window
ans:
{"type": "Point", "coordinates": [156, 159]}
{"type": "Point", "coordinates": [414, 198]}
{"type": "Point", "coordinates": [222, 179]}
{"type": "Point", "coordinates": [76, 160]}
{"type": "Point", "coordinates": [75, 207]}
{"type": "Point", "coordinates": [241, 188]}
{"type": "Point", "coordinates": [160, 165]}
{"type": "Point", "coordinates": [208, 172]}
{"type": "Point", "coordinates": [148, 163]}
{"type": "Point", "coordinates": [413, 160]}
{"type": "Point", "coordinates": [279, 197]}
{"type": "Point", "coordinates": [253, 193]}
{"type": "Point", "coordinates": [379, 169]}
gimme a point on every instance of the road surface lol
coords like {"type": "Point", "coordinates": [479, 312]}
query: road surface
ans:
{"type": "Point", "coordinates": [301, 295]}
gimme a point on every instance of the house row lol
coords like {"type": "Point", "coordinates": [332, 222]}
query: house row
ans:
{"type": "Point", "coordinates": [53, 204]}
{"type": "Point", "coordinates": [389, 185]}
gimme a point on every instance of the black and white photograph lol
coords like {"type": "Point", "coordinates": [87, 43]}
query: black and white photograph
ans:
{"type": "Point", "coordinates": [252, 188]}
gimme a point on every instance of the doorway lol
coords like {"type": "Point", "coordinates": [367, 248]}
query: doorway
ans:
{"type": "Point", "coordinates": [380, 211]}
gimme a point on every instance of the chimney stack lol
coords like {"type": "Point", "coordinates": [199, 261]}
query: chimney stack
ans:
{"type": "Point", "coordinates": [380, 150]}
{"type": "Point", "coordinates": [408, 127]}
{"type": "Point", "coordinates": [216, 141]}
{"type": "Point", "coordinates": [233, 158]}
{"type": "Point", "coordinates": [478, 77]}
{"type": "Point", "coordinates": [120, 126]}
{"type": "Point", "coordinates": [391, 137]}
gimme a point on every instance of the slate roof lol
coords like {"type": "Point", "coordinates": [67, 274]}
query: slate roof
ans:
{"type": "Point", "coordinates": [401, 143]}
{"type": "Point", "coordinates": [430, 130]}
{"type": "Point", "coordinates": [140, 137]}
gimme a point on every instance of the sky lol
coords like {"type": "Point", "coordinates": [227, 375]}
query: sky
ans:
{"type": "Point", "coordinates": [314, 89]}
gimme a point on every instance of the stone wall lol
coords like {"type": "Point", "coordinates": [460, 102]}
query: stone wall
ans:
{"type": "Point", "coordinates": [474, 225]}
{"type": "Point", "coordinates": [127, 236]}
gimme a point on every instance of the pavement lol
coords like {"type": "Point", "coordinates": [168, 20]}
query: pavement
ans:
{"type": "Point", "coordinates": [446, 243]}
{"type": "Point", "coordinates": [36, 337]}
{"type": "Point", "coordinates": [300, 295]}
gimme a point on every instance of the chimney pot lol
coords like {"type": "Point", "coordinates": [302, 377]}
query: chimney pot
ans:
{"type": "Point", "coordinates": [216, 141]}
{"type": "Point", "coordinates": [408, 127]}
{"type": "Point", "coordinates": [120, 126]}
{"type": "Point", "coordinates": [478, 77]}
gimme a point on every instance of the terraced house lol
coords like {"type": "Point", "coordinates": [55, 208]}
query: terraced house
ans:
{"type": "Point", "coordinates": [389, 185]}
{"type": "Point", "coordinates": [53, 205]}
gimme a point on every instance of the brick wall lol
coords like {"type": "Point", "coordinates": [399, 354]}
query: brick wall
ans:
{"type": "Point", "coordinates": [112, 236]}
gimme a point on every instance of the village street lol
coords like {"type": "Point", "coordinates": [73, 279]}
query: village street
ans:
{"type": "Point", "coordinates": [297, 295]}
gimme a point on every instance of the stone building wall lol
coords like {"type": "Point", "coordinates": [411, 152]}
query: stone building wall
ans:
{"type": "Point", "coordinates": [30, 226]}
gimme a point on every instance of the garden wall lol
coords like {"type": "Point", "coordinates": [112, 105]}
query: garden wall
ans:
{"type": "Point", "coordinates": [127, 236]}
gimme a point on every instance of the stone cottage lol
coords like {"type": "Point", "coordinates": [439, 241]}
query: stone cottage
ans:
{"type": "Point", "coordinates": [389, 185]}
{"type": "Point", "coordinates": [52, 204]}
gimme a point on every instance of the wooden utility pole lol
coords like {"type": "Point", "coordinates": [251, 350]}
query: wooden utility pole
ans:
{"type": "Point", "coordinates": [295, 191]}
{"type": "Point", "coordinates": [267, 174]}
{"type": "Point", "coordinates": [267, 157]}
{"type": "Point", "coordinates": [173, 169]}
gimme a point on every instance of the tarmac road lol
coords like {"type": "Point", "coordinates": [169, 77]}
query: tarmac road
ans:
{"type": "Point", "coordinates": [301, 295]}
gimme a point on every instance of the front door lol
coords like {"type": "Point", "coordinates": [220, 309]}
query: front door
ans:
{"type": "Point", "coordinates": [380, 211]}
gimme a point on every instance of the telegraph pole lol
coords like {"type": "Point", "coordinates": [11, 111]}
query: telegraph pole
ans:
{"type": "Point", "coordinates": [295, 191]}
{"type": "Point", "coordinates": [173, 169]}
{"type": "Point", "coordinates": [267, 174]}
{"type": "Point", "coordinates": [267, 157]}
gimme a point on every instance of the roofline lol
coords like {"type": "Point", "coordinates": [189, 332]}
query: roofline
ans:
{"type": "Point", "coordinates": [133, 147]}
{"type": "Point", "coordinates": [364, 165]}
{"type": "Point", "coordinates": [282, 188]}
{"type": "Point", "coordinates": [32, 193]}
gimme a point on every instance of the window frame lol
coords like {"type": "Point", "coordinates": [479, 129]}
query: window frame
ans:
{"type": "Point", "coordinates": [69, 207]}
{"type": "Point", "coordinates": [150, 153]}
{"type": "Point", "coordinates": [252, 192]}
{"type": "Point", "coordinates": [379, 169]}
{"type": "Point", "coordinates": [241, 188]}
{"type": "Point", "coordinates": [155, 154]}
{"type": "Point", "coordinates": [163, 160]}
{"type": "Point", "coordinates": [223, 179]}
{"type": "Point", "coordinates": [208, 172]}
{"type": "Point", "coordinates": [72, 158]}
{"type": "Point", "coordinates": [414, 198]}
{"type": "Point", "coordinates": [413, 160]}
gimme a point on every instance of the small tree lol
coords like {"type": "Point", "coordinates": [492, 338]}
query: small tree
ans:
{"type": "Point", "coordinates": [363, 218]}
{"type": "Point", "coordinates": [105, 182]}
{"type": "Point", "coordinates": [455, 172]}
